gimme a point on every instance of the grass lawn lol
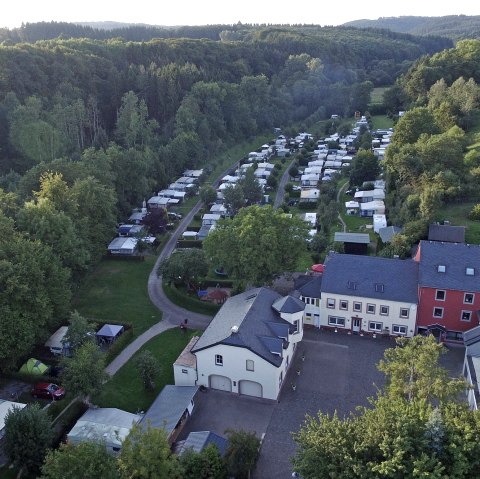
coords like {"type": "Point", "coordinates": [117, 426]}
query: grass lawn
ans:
{"type": "Point", "coordinates": [117, 291]}
{"type": "Point", "coordinates": [457, 214]}
{"type": "Point", "coordinates": [376, 97]}
{"type": "Point", "coordinates": [381, 122]}
{"type": "Point", "coordinates": [125, 389]}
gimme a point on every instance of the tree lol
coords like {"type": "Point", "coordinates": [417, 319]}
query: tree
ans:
{"type": "Point", "coordinates": [414, 428]}
{"type": "Point", "coordinates": [28, 434]}
{"type": "Point", "coordinates": [79, 331]}
{"type": "Point", "coordinates": [146, 454]}
{"type": "Point", "coordinates": [208, 194]}
{"type": "Point", "coordinates": [148, 369]}
{"type": "Point", "coordinates": [258, 244]}
{"type": "Point", "coordinates": [156, 221]}
{"type": "Point", "coordinates": [365, 168]}
{"type": "Point", "coordinates": [84, 371]}
{"type": "Point", "coordinates": [241, 453]}
{"type": "Point", "coordinates": [189, 267]}
{"type": "Point", "coordinates": [207, 464]}
{"type": "Point", "coordinates": [252, 190]}
{"type": "Point", "coordinates": [233, 199]}
{"type": "Point", "coordinates": [88, 460]}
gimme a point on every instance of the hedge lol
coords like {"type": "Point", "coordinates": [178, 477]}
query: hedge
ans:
{"type": "Point", "coordinates": [188, 302]}
{"type": "Point", "coordinates": [181, 243]}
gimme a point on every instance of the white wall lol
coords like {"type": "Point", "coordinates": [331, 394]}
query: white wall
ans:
{"type": "Point", "coordinates": [183, 378]}
{"type": "Point", "coordinates": [472, 402]}
{"type": "Point", "coordinates": [388, 321]}
{"type": "Point", "coordinates": [312, 310]}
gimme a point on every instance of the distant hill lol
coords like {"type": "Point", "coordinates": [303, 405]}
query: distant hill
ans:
{"type": "Point", "coordinates": [114, 25]}
{"type": "Point", "coordinates": [456, 27]}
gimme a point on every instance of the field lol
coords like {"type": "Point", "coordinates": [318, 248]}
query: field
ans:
{"type": "Point", "coordinates": [457, 214]}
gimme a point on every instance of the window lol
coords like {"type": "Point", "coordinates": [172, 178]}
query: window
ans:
{"type": "Point", "coordinates": [441, 268]}
{"type": "Point", "coordinates": [116, 449]}
{"type": "Point", "coordinates": [384, 310]}
{"type": "Point", "coordinates": [370, 308]}
{"type": "Point", "coordinates": [379, 287]}
{"type": "Point", "coordinates": [280, 378]}
{"type": "Point", "coordinates": [374, 326]}
{"type": "Point", "coordinates": [397, 329]}
{"type": "Point", "coordinates": [343, 304]}
{"type": "Point", "coordinates": [250, 365]}
{"type": "Point", "coordinates": [336, 321]}
{"type": "Point", "coordinates": [404, 312]}
{"type": "Point", "coordinates": [352, 285]}
{"type": "Point", "coordinates": [466, 316]}
{"type": "Point", "coordinates": [184, 371]}
{"type": "Point", "coordinates": [438, 312]}
{"type": "Point", "coordinates": [296, 325]}
{"type": "Point", "coordinates": [454, 336]}
{"type": "Point", "coordinates": [468, 298]}
{"type": "Point", "coordinates": [218, 359]}
{"type": "Point", "coordinates": [357, 306]}
{"type": "Point", "coordinates": [308, 315]}
{"type": "Point", "coordinates": [317, 302]}
{"type": "Point", "coordinates": [440, 295]}
{"type": "Point", "coordinates": [470, 271]}
{"type": "Point", "coordinates": [330, 303]}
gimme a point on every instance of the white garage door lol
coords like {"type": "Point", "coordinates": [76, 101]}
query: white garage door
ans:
{"type": "Point", "coordinates": [250, 388]}
{"type": "Point", "coordinates": [220, 382]}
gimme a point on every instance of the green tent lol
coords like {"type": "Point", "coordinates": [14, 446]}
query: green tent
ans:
{"type": "Point", "coordinates": [34, 366]}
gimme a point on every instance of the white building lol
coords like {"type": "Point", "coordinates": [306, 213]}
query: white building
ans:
{"type": "Point", "coordinates": [379, 222]}
{"type": "Point", "coordinates": [249, 345]}
{"type": "Point", "coordinates": [471, 366]}
{"type": "Point", "coordinates": [185, 366]}
{"type": "Point", "coordinates": [368, 294]}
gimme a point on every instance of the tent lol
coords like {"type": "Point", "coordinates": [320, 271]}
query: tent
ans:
{"type": "Point", "coordinates": [109, 332]}
{"type": "Point", "coordinates": [34, 366]}
{"type": "Point", "coordinates": [318, 268]}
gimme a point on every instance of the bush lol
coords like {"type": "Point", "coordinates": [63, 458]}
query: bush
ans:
{"type": "Point", "coordinates": [475, 213]}
{"type": "Point", "coordinates": [189, 243]}
{"type": "Point", "coordinates": [188, 302]}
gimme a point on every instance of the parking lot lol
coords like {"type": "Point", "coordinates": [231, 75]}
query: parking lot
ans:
{"type": "Point", "coordinates": [338, 373]}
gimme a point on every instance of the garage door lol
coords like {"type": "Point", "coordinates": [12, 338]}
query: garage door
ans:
{"type": "Point", "coordinates": [250, 388]}
{"type": "Point", "coordinates": [220, 382]}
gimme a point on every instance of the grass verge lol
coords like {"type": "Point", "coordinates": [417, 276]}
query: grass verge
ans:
{"type": "Point", "coordinates": [125, 389]}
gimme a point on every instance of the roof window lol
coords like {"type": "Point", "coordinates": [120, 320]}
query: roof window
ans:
{"type": "Point", "coordinates": [441, 268]}
{"type": "Point", "coordinates": [470, 271]}
{"type": "Point", "coordinates": [379, 287]}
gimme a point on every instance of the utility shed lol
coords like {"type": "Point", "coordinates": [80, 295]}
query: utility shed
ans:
{"type": "Point", "coordinates": [185, 366]}
{"type": "Point", "coordinates": [108, 425]}
{"type": "Point", "coordinates": [446, 233]}
{"type": "Point", "coordinates": [171, 409]}
{"type": "Point", "coordinates": [354, 243]}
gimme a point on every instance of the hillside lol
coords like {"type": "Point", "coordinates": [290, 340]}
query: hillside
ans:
{"type": "Point", "coordinates": [456, 27]}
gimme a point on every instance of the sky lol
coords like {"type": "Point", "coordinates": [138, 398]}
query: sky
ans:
{"type": "Point", "coordinates": [203, 12]}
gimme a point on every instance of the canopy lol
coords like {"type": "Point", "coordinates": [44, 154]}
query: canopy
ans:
{"type": "Point", "coordinates": [110, 331]}
{"type": "Point", "coordinates": [34, 366]}
{"type": "Point", "coordinates": [318, 268]}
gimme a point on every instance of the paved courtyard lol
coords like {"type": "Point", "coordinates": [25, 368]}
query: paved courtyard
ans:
{"type": "Point", "coordinates": [338, 373]}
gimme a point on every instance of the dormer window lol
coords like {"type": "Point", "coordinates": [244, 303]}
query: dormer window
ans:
{"type": "Point", "coordinates": [441, 268]}
{"type": "Point", "coordinates": [470, 271]}
{"type": "Point", "coordinates": [379, 287]}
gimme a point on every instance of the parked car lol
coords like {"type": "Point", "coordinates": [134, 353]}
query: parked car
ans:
{"type": "Point", "coordinates": [296, 188]}
{"type": "Point", "coordinates": [48, 391]}
{"type": "Point", "coordinates": [174, 216]}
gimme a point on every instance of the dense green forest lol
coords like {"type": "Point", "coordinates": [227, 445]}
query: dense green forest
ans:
{"type": "Point", "coordinates": [456, 27]}
{"type": "Point", "coordinates": [90, 127]}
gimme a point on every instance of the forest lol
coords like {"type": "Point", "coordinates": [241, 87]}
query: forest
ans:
{"type": "Point", "coordinates": [90, 127]}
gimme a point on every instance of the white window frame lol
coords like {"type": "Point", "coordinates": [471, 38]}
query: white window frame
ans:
{"type": "Point", "coordinates": [334, 321]}
{"type": "Point", "coordinates": [218, 360]}
{"type": "Point", "coordinates": [250, 362]}
{"type": "Point", "coordinates": [399, 329]}
{"type": "Point", "coordinates": [402, 311]}
{"type": "Point", "coordinates": [469, 316]}
{"type": "Point", "coordinates": [387, 310]}
{"type": "Point", "coordinates": [357, 306]}
{"type": "Point", "coordinates": [465, 298]}
{"type": "Point", "coordinates": [373, 306]}
{"type": "Point", "coordinates": [331, 303]}
{"type": "Point", "coordinates": [436, 316]}
{"type": "Point", "coordinates": [440, 291]}
{"type": "Point", "coordinates": [340, 304]}
{"type": "Point", "coordinates": [375, 329]}
{"type": "Point", "coordinates": [296, 325]}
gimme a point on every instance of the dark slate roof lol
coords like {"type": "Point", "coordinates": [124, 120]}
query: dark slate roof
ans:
{"type": "Point", "coordinates": [387, 232]}
{"type": "Point", "coordinates": [362, 238]}
{"type": "Point", "coordinates": [169, 406]}
{"type": "Point", "coordinates": [257, 322]}
{"type": "Point", "coordinates": [199, 440]}
{"type": "Point", "coordinates": [472, 336]}
{"type": "Point", "coordinates": [371, 277]}
{"type": "Point", "coordinates": [310, 288]}
{"type": "Point", "coordinates": [456, 257]}
{"type": "Point", "coordinates": [451, 234]}
{"type": "Point", "coordinates": [288, 304]}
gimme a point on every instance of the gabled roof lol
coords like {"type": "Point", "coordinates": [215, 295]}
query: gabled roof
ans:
{"type": "Point", "coordinates": [169, 406]}
{"type": "Point", "coordinates": [451, 234]}
{"type": "Point", "coordinates": [199, 440]}
{"type": "Point", "coordinates": [362, 238]}
{"type": "Point", "coordinates": [371, 277]}
{"type": "Point", "coordinates": [110, 330]}
{"type": "Point", "coordinates": [310, 288]}
{"type": "Point", "coordinates": [454, 259]}
{"type": "Point", "coordinates": [288, 304]}
{"type": "Point", "coordinates": [387, 233]}
{"type": "Point", "coordinates": [252, 313]}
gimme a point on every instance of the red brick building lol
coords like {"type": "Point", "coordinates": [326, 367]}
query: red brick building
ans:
{"type": "Point", "coordinates": [448, 288]}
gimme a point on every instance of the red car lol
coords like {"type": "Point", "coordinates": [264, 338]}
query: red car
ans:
{"type": "Point", "coordinates": [48, 391]}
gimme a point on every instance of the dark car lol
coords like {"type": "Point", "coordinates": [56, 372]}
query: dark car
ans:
{"type": "Point", "coordinates": [48, 391]}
